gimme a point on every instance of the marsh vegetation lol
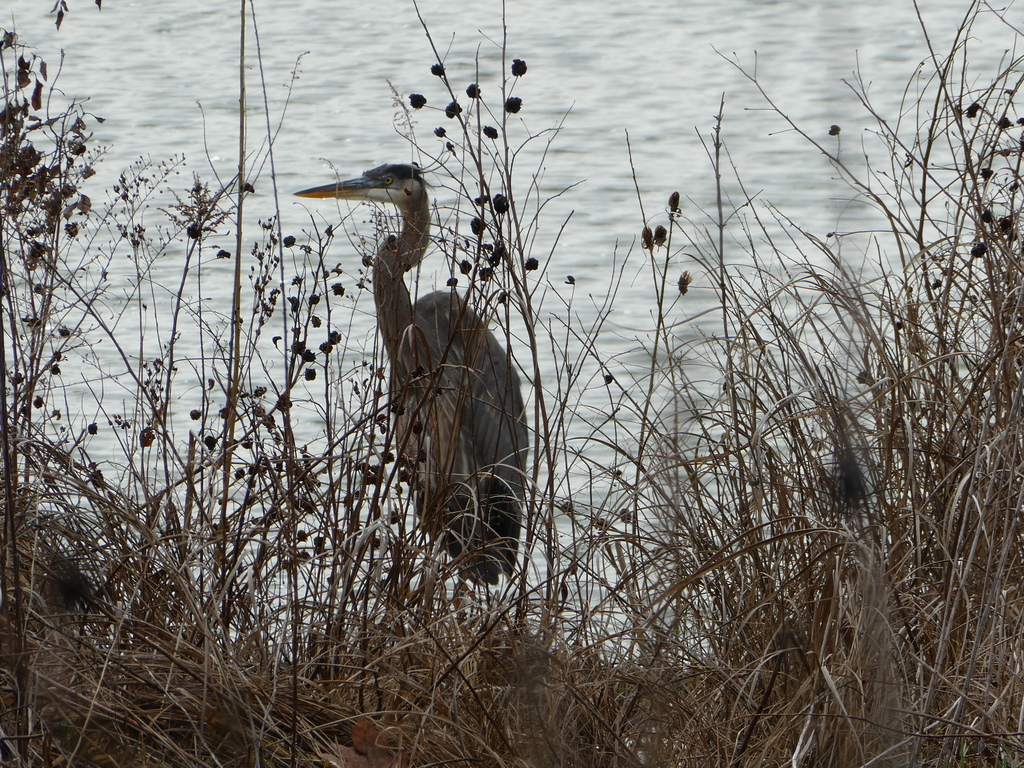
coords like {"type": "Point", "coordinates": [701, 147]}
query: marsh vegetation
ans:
{"type": "Point", "coordinates": [794, 539]}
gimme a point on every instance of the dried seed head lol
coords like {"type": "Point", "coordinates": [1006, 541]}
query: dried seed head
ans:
{"type": "Point", "coordinates": [439, 132]}
{"type": "Point", "coordinates": [490, 132]}
{"type": "Point", "coordinates": [1004, 123]}
{"type": "Point", "coordinates": [473, 91]}
{"type": "Point", "coordinates": [531, 264]}
{"type": "Point", "coordinates": [684, 283]}
{"type": "Point", "coordinates": [477, 225]}
{"type": "Point", "coordinates": [453, 110]}
{"type": "Point", "coordinates": [833, 130]}
{"type": "Point", "coordinates": [660, 235]}
{"type": "Point", "coordinates": [518, 67]}
{"type": "Point", "coordinates": [437, 70]}
{"type": "Point", "coordinates": [673, 202]}
{"type": "Point", "coordinates": [647, 239]}
{"type": "Point", "coordinates": [973, 110]}
{"type": "Point", "coordinates": [513, 104]}
{"type": "Point", "coordinates": [500, 204]}
{"type": "Point", "coordinates": [417, 100]}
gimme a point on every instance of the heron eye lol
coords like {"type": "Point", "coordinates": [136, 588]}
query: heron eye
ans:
{"type": "Point", "coordinates": [388, 180]}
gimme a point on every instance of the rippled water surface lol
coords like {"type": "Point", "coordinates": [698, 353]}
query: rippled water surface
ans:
{"type": "Point", "coordinates": [165, 78]}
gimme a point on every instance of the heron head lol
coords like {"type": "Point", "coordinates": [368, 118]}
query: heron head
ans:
{"type": "Point", "coordinates": [395, 183]}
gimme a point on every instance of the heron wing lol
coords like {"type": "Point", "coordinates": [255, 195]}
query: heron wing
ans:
{"type": "Point", "coordinates": [480, 373]}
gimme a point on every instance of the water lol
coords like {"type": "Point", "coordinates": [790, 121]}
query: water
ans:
{"type": "Point", "coordinates": [165, 78]}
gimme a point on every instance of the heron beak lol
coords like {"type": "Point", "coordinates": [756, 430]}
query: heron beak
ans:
{"type": "Point", "coordinates": [341, 189]}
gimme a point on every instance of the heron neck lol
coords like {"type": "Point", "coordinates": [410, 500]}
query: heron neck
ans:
{"type": "Point", "coordinates": [396, 256]}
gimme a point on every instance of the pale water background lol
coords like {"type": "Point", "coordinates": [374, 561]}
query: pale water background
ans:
{"type": "Point", "coordinates": [164, 76]}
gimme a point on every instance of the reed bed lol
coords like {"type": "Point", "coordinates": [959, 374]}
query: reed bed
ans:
{"type": "Point", "coordinates": [804, 547]}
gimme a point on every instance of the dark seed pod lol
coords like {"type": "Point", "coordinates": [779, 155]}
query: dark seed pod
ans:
{"type": "Point", "coordinates": [473, 91]}
{"type": "Point", "coordinates": [833, 130]}
{"type": "Point", "coordinates": [417, 100]}
{"type": "Point", "coordinates": [850, 483]}
{"type": "Point", "coordinates": [310, 374]}
{"type": "Point", "coordinates": [531, 264]}
{"type": "Point", "coordinates": [647, 239]}
{"type": "Point", "coordinates": [513, 104]}
{"type": "Point", "coordinates": [437, 70]}
{"type": "Point", "coordinates": [465, 267]}
{"type": "Point", "coordinates": [453, 110]}
{"type": "Point", "coordinates": [986, 173]}
{"type": "Point", "coordinates": [570, 280]}
{"type": "Point", "coordinates": [673, 202]}
{"type": "Point", "coordinates": [196, 414]}
{"type": "Point", "coordinates": [979, 250]}
{"type": "Point", "coordinates": [973, 110]}
{"type": "Point", "coordinates": [439, 132]}
{"type": "Point", "coordinates": [500, 204]}
{"type": "Point", "coordinates": [92, 429]}
{"type": "Point", "coordinates": [518, 67]}
{"type": "Point", "coordinates": [986, 216]}
{"type": "Point", "coordinates": [490, 132]}
{"type": "Point", "coordinates": [288, 241]}
{"type": "Point", "coordinates": [452, 282]}
{"type": "Point", "coordinates": [660, 235]}
{"type": "Point", "coordinates": [486, 273]}
{"type": "Point", "coordinates": [1004, 123]}
{"type": "Point", "coordinates": [684, 283]}
{"type": "Point", "coordinates": [477, 225]}
{"type": "Point", "coordinates": [338, 289]}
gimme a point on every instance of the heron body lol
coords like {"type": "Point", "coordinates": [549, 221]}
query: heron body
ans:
{"type": "Point", "coordinates": [460, 417]}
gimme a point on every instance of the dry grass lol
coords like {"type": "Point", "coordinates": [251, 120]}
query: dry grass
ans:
{"type": "Point", "coordinates": [810, 557]}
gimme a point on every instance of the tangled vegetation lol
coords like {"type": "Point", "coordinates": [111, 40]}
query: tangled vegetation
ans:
{"type": "Point", "coordinates": [811, 556]}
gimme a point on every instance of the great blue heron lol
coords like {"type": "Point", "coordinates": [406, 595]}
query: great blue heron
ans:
{"type": "Point", "coordinates": [460, 413]}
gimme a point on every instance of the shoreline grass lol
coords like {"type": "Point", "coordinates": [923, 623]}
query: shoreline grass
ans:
{"type": "Point", "coordinates": [811, 558]}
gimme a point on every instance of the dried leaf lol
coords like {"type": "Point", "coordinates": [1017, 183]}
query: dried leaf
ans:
{"type": "Point", "coordinates": [37, 95]}
{"type": "Point", "coordinates": [372, 747]}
